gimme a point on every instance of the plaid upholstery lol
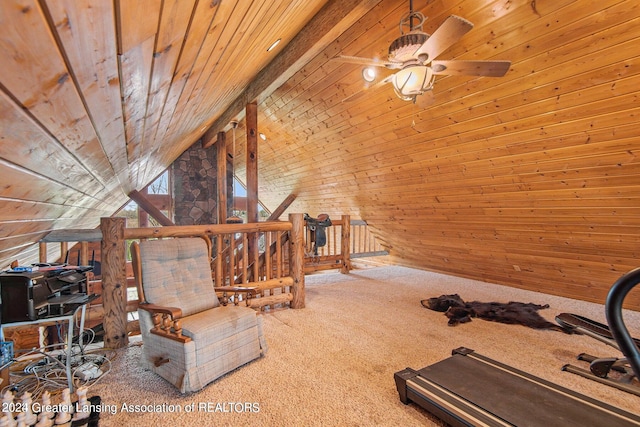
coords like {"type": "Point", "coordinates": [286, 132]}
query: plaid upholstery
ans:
{"type": "Point", "coordinates": [195, 364]}
{"type": "Point", "coordinates": [177, 273]}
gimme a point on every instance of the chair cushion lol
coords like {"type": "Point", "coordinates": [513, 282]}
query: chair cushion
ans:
{"type": "Point", "coordinates": [216, 325]}
{"type": "Point", "coordinates": [229, 334]}
{"type": "Point", "coordinates": [177, 273]}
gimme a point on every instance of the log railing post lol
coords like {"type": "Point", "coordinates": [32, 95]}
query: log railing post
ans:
{"type": "Point", "coordinates": [345, 247]}
{"type": "Point", "coordinates": [64, 249]}
{"type": "Point", "coordinates": [296, 260]}
{"type": "Point", "coordinates": [221, 157]}
{"type": "Point", "coordinates": [84, 253]}
{"type": "Point", "coordinates": [42, 252]}
{"type": "Point", "coordinates": [251, 167]}
{"type": "Point", "coordinates": [114, 282]}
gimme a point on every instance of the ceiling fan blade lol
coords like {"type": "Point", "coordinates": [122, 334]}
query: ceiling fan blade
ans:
{"type": "Point", "coordinates": [471, 68]}
{"type": "Point", "coordinates": [367, 61]}
{"type": "Point", "coordinates": [361, 92]}
{"type": "Point", "coordinates": [451, 30]}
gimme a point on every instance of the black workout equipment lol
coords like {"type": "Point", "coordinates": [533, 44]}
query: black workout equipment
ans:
{"type": "Point", "coordinates": [469, 389]}
{"type": "Point", "coordinates": [613, 310]}
{"type": "Point", "coordinates": [600, 368]}
{"type": "Point", "coordinates": [618, 372]}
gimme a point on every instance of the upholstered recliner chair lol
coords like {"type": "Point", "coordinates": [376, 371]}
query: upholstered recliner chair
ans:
{"type": "Point", "coordinates": [189, 338]}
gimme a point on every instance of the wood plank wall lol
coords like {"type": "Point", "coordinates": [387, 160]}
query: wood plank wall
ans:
{"type": "Point", "coordinates": [531, 180]}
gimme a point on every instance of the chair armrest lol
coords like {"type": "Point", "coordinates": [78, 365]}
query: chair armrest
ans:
{"type": "Point", "coordinates": [166, 321]}
{"type": "Point", "coordinates": [237, 290]}
{"type": "Point", "coordinates": [174, 312]}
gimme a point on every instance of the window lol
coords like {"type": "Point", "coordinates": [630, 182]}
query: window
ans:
{"type": "Point", "coordinates": [158, 193]}
{"type": "Point", "coordinates": [160, 185]}
{"type": "Point", "coordinates": [240, 197]}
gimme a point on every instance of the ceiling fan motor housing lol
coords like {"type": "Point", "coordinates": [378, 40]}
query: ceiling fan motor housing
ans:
{"type": "Point", "coordinates": [403, 48]}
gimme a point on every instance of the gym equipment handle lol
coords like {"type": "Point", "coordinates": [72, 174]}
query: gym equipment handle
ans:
{"type": "Point", "coordinates": [613, 311]}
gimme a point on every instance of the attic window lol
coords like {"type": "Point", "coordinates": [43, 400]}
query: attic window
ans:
{"type": "Point", "coordinates": [160, 185]}
{"type": "Point", "coordinates": [159, 194]}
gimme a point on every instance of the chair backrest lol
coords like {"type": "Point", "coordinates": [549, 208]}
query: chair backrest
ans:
{"type": "Point", "coordinates": [176, 273]}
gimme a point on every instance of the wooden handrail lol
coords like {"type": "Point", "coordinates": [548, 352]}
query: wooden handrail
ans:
{"type": "Point", "coordinates": [276, 267]}
{"type": "Point", "coordinates": [336, 256]}
{"type": "Point", "coordinates": [115, 234]}
{"type": "Point", "coordinates": [195, 230]}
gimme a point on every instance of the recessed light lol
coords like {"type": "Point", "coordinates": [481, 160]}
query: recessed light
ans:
{"type": "Point", "coordinates": [263, 136]}
{"type": "Point", "coordinates": [369, 74]}
{"type": "Point", "coordinates": [273, 46]}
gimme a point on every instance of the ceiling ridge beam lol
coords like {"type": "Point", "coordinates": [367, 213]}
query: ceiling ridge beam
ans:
{"type": "Point", "coordinates": [331, 21]}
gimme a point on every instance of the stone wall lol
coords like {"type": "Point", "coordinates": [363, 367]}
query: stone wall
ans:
{"type": "Point", "coordinates": [195, 186]}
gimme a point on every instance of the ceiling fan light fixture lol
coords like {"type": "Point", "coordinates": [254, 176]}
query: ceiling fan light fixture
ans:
{"type": "Point", "coordinates": [403, 48]}
{"type": "Point", "coordinates": [415, 55]}
{"type": "Point", "coordinates": [368, 74]}
{"type": "Point", "coordinates": [412, 81]}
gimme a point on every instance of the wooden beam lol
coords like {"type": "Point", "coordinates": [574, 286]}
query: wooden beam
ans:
{"type": "Point", "coordinates": [296, 260]}
{"type": "Point", "coordinates": [197, 230]}
{"type": "Point", "coordinates": [282, 207]}
{"type": "Point", "coordinates": [331, 21]}
{"type": "Point", "coordinates": [149, 208]}
{"type": "Point", "coordinates": [252, 181]}
{"type": "Point", "coordinates": [209, 138]}
{"type": "Point", "coordinates": [42, 252]}
{"type": "Point", "coordinates": [63, 235]}
{"type": "Point", "coordinates": [345, 248]}
{"type": "Point", "coordinates": [84, 253]}
{"type": "Point", "coordinates": [64, 248]}
{"type": "Point", "coordinates": [252, 162]}
{"type": "Point", "coordinates": [221, 156]}
{"type": "Point", "coordinates": [114, 282]}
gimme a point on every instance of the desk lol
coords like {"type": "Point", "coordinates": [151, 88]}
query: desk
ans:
{"type": "Point", "coordinates": [48, 321]}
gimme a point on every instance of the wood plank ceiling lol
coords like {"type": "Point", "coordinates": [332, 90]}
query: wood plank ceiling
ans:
{"type": "Point", "coordinates": [529, 180]}
{"type": "Point", "coordinates": [99, 97]}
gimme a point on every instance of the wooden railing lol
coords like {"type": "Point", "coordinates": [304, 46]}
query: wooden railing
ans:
{"type": "Point", "coordinates": [288, 287]}
{"type": "Point", "coordinates": [335, 254]}
{"type": "Point", "coordinates": [346, 239]}
{"type": "Point", "coordinates": [271, 256]}
{"type": "Point", "coordinates": [267, 268]}
{"type": "Point", "coordinates": [363, 241]}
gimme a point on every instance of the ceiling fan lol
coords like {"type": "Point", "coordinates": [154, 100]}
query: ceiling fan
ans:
{"type": "Point", "coordinates": [414, 54]}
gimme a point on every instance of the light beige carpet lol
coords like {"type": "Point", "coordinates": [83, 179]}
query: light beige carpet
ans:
{"type": "Point", "coordinates": [332, 363]}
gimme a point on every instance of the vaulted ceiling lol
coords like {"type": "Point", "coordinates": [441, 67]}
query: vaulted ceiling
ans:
{"type": "Point", "coordinates": [530, 180]}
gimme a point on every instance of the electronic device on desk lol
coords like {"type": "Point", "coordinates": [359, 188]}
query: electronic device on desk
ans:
{"type": "Point", "coordinates": [65, 279]}
{"type": "Point", "coordinates": [45, 291]}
